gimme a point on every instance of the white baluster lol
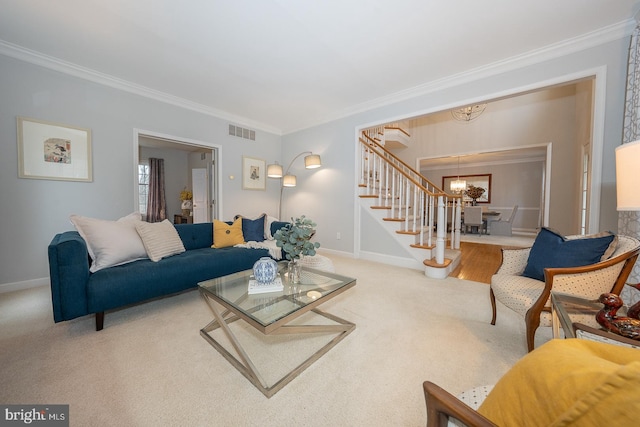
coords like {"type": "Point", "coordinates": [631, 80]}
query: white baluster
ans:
{"type": "Point", "coordinates": [440, 238]}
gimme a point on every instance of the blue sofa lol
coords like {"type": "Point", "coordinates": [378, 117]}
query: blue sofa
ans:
{"type": "Point", "coordinates": [76, 291]}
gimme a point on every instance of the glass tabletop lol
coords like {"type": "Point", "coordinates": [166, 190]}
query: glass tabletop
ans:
{"type": "Point", "coordinates": [571, 309]}
{"type": "Point", "coordinates": [267, 308]}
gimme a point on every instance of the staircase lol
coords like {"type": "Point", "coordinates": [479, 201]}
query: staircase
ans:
{"type": "Point", "coordinates": [409, 206]}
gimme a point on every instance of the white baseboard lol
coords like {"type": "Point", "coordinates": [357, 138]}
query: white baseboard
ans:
{"type": "Point", "coordinates": [335, 252]}
{"type": "Point", "coordinates": [391, 260]}
{"type": "Point", "coordinates": [27, 284]}
{"type": "Point", "coordinates": [376, 257]}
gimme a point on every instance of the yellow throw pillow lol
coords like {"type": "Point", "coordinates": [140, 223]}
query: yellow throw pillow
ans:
{"type": "Point", "coordinates": [227, 235]}
{"type": "Point", "coordinates": [568, 381]}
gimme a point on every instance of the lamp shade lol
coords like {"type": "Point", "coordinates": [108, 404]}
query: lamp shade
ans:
{"type": "Point", "coordinates": [312, 161]}
{"type": "Point", "coordinates": [274, 171]}
{"type": "Point", "coordinates": [628, 176]}
{"type": "Point", "coordinates": [289, 181]}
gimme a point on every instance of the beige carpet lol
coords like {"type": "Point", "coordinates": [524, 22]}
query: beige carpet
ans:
{"type": "Point", "coordinates": [151, 367]}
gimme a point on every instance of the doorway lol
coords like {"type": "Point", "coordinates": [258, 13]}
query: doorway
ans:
{"type": "Point", "coordinates": [184, 160]}
{"type": "Point", "coordinates": [520, 129]}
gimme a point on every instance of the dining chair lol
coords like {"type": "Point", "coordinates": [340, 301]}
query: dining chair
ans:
{"type": "Point", "coordinates": [473, 218]}
{"type": "Point", "coordinates": [503, 227]}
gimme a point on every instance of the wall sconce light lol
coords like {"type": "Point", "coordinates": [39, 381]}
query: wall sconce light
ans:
{"type": "Point", "coordinates": [311, 161]}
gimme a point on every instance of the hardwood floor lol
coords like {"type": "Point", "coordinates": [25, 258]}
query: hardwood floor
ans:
{"type": "Point", "coordinates": [479, 262]}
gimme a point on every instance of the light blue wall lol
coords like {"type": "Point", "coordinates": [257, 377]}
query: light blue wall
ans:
{"type": "Point", "coordinates": [33, 211]}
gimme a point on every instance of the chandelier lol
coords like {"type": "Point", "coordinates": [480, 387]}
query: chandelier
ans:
{"type": "Point", "coordinates": [468, 113]}
{"type": "Point", "coordinates": [457, 186]}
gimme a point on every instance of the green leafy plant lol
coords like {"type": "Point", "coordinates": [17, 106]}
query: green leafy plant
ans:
{"type": "Point", "coordinates": [295, 238]}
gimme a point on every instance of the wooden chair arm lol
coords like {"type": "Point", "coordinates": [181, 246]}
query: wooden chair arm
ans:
{"type": "Point", "coordinates": [627, 260]}
{"type": "Point", "coordinates": [442, 404]}
{"type": "Point", "coordinates": [626, 257]}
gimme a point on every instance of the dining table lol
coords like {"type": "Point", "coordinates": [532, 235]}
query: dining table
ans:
{"type": "Point", "coordinates": [487, 216]}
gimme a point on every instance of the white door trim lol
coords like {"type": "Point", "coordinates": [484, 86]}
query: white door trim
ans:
{"type": "Point", "coordinates": [217, 156]}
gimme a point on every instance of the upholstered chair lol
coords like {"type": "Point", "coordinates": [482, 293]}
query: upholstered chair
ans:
{"type": "Point", "coordinates": [530, 297]}
{"type": "Point", "coordinates": [473, 218]}
{"type": "Point", "coordinates": [503, 227]}
{"type": "Point", "coordinates": [563, 382]}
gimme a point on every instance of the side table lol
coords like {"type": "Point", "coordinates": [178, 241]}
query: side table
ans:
{"type": "Point", "coordinates": [577, 318]}
{"type": "Point", "coordinates": [182, 219]}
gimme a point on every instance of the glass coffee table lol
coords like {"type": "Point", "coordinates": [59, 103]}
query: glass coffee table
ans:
{"type": "Point", "coordinates": [577, 318]}
{"type": "Point", "coordinates": [271, 314]}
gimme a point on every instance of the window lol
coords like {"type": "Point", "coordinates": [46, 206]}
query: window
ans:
{"type": "Point", "coordinates": [143, 187]}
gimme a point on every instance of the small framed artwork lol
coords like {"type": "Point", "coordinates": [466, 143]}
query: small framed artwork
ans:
{"type": "Point", "coordinates": [482, 181]}
{"type": "Point", "coordinates": [254, 173]}
{"type": "Point", "coordinates": [49, 150]}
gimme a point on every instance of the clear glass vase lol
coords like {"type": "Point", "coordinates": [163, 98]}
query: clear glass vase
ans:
{"type": "Point", "coordinates": [294, 271]}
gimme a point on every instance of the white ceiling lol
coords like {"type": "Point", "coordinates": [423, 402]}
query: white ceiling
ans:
{"type": "Point", "coordinates": [283, 65]}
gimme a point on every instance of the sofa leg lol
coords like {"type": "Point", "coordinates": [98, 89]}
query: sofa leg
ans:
{"type": "Point", "coordinates": [99, 321]}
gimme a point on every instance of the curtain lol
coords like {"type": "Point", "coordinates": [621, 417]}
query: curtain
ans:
{"type": "Point", "coordinates": [156, 201]}
{"type": "Point", "coordinates": [629, 221]}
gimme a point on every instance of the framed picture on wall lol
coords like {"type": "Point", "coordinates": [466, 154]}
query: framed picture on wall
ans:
{"type": "Point", "coordinates": [49, 150]}
{"type": "Point", "coordinates": [254, 174]}
{"type": "Point", "coordinates": [482, 181]}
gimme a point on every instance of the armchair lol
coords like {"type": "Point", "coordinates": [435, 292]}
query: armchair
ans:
{"type": "Point", "coordinates": [531, 298]}
{"type": "Point", "coordinates": [563, 382]}
{"type": "Point", "coordinates": [441, 405]}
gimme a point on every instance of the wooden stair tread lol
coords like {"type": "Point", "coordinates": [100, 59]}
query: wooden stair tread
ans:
{"type": "Point", "coordinates": [423, 246]}
{"type": "Point", "coordinates": [368, 196]}
{"type": "Point", "coordinates": [432, 263]}
{"type": "Point", "coordinates": [408, 232]}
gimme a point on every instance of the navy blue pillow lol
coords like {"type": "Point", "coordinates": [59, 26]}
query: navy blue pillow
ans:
{"type": "Point", "coordinates": [277, 225]}
{"type": "Point", "coordinates": [253, 229]}
{"type": "Point", "coordinates": [551, 249]}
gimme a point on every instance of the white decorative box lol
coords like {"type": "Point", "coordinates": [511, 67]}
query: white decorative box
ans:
{"type": "Point", "coordinates": [257, 288]}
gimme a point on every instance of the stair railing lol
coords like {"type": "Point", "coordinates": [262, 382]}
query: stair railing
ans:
{"type": "Point", "coordinates": [411, 199]}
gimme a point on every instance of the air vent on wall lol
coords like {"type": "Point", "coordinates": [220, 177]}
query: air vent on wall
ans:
{"type": "Point", "coordinates": [242, 132]}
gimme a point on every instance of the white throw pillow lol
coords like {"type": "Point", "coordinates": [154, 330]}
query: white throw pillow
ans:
{"type": "Point", "coordinates": [267, 227]}
{"type": "Point", "coordinates": [110, 242]}
{"type": "Point", "coordinates": [160, 239]}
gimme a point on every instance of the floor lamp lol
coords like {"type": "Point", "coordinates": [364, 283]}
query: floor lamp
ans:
{"type": "Point", "coordinates": [311, 161]}
{"type": "Point", "coordinates": [628, 192]}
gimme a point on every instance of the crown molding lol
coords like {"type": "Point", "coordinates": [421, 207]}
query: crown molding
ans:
{"type": "Point", "coordinates": [556, 50]}
{"type": "Point", "coordinates": [52, 63]}
{"type": "Point", "coordinates": [566, 47]}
